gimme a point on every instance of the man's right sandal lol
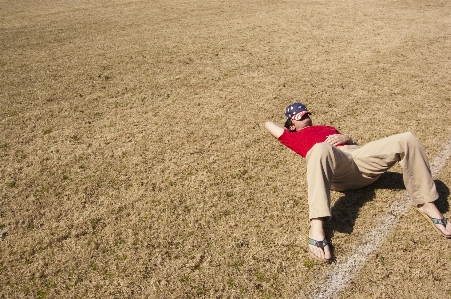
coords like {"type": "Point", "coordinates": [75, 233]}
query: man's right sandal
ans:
{"type": "Point", "coordinates": [319, 244]}
{"type": "Point", "coordinates": [434, 221]}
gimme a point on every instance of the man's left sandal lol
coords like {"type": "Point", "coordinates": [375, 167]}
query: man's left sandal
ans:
{"type": "Point", "coordinates": [434, 221]}
{"type": "Point", "coordinates": [319, 244]}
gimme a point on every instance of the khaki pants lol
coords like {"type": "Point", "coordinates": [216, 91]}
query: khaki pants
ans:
{"type": "Point", "coordinates": [351, 167]}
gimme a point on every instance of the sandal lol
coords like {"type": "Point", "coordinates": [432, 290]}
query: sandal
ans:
{"type": "Point", "coordinates": [319, 244]}
{"type": "Point", "coordinates": [434, 221]}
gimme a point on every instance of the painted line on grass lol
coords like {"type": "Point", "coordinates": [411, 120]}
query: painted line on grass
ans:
{"type": "Point", "coordinates": [344, 271]}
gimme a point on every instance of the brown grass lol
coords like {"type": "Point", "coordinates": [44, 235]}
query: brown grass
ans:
{"type": "Point", "coordinates": [134, 163]}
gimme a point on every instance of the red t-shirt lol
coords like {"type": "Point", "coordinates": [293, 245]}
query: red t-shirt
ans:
{"type": "Point", "coordinates": [302, 141]}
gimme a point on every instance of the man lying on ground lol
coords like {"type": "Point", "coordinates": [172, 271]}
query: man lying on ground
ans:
{"type": "Point", "coordinates": [336, 162]}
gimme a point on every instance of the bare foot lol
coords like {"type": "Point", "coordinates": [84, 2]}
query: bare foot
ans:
{"type": "Point", "coordinates": [431, 210]}
{"type": "Point", "coordinates": [317, 233]}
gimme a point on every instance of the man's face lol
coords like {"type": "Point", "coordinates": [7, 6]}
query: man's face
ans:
{"type": "Point", "coordinates": [298, 125]}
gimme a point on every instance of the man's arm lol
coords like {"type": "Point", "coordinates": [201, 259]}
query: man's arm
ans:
{"type": "Point", "coordinates": [275, 129]}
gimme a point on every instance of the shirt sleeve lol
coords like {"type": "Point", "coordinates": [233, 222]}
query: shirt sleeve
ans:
{"type": "Point", "coordinates": [286, 138]}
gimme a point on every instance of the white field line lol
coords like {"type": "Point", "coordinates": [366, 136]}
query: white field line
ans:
{"type": "Point", "coordinates": [345, 270]}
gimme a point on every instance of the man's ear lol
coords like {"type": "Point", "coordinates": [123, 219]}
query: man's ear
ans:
{"type": "Point", "coordinates": [292, 128]}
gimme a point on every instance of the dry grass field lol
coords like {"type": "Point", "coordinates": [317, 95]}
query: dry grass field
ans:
{"type": "Point", "coordinates": [134, 164]}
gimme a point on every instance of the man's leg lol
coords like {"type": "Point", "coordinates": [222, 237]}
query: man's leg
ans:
{"type": "Point", "coordinates": [323, 162]}
{"type": "Point", "coordinates": [378, 156]}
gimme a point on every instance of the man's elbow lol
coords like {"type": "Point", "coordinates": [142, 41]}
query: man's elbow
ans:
{"type": "Point", "coordinates": [268, 125]}
{"type": "Point", "coordinates": [274, 129]}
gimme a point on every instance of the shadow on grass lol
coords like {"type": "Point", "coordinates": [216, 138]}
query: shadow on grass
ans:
{"type": "Point", "coordinates": [346, 209]}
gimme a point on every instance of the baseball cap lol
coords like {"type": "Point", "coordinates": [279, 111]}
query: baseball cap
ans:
{"type": "Point", "coordinates": [296, 111]}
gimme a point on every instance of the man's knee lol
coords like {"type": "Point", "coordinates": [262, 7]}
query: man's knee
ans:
{"type": "Point", "coordinates": [408, 135]}
{"type": "Point", "coordinates": [410, 138]}
{"type": "Point", "coordinates": [319, 150]}
{"type": "Point", "coordinates": [322, 147]}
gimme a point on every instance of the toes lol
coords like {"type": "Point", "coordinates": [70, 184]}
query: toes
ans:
{"type": "Point", "coordinates": [445, 230]}
{"type": "Point", "coordinates": [318, 252]}
{"type": "Point", "coordinates": [328, 255]}
{"type": "Point", "coordinates": [448, 229]}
